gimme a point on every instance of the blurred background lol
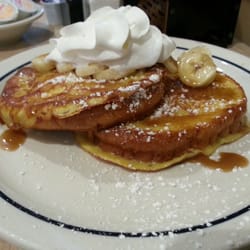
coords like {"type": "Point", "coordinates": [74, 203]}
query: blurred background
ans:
{"type": "Point", "coordinates": [216, 22]}
{"type": "Point", "coordinates": [213, 21]}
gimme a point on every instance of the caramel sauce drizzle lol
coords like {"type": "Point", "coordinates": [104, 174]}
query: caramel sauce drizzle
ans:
{"type": "Point", "coordinates": [11, 140]}
{"type": "Point", "coordinates": [227, 161]}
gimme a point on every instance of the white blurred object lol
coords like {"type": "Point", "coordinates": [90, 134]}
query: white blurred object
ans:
{"type": "Point", "coordinates": [8, 12]}
{"type": "Point", "coordinates": [57, 12]}
{"type": "Point", "coordinates": [12, 32]}
{"type": "Point", "coordinates": [26, 8]}
{"type": "Point", "coordinates": [96, 4]}
{"type": "Point", "coordinates": [91, 5]}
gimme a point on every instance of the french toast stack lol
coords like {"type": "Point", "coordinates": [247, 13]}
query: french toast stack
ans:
{"type": "Point", "coordinates": [65, 101]}
{"type": "Point", "coordinates": [188, 121]}
{"type": "Point", "coordinates": [147, 120]}
{"type": "Point", "coordinates": [201, 109]}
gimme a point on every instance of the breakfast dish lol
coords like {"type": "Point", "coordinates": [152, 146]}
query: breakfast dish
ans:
{"type": "Point", "coordinates": [201, 110]}
{"type": "Point", "coordinates": [54, 101]}
{"type": "Point", "coordinates": [25, 8]}
{"type": "Point", "coordinates": [164, 109]}
{"type": "Point", "coordinates": [15, 10]}
{"type": "Point", "coordinates": [189, 121]}
{"type": "Point", "coordinates": [8, 12]}
{"type": "Point", "coordinates": [88, 82]}
{"type": "Point", "coordinates": [51, 189]}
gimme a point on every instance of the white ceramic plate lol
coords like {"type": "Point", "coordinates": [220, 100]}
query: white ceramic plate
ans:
{"type": "Point", "coordinates": [55, 196]}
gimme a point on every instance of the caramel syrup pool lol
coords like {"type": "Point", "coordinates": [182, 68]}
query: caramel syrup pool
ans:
{"type": "Point", "coordinates": [11, 140]}
{"type": "Point", "coordinates": [226, 162]}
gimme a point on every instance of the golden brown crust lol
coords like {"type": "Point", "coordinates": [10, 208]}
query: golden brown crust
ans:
{"type": "Point", "coordinates": [54, 101]}
{"type": "Point", "coordinates": [187, 120]}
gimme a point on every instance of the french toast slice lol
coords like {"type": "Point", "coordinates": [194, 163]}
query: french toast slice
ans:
{"type": "Point", "coordinates": [65, 101]}
{"type": "Point", "coordinates": [189, 121]}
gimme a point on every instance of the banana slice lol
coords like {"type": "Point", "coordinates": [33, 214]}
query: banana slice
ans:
{"type": "Point", "coordinates": [171, 65]}
{"type": "Point", "coordinates": [90, 69]}
{"type": "Point", "coordinates": [42, 65]}
{"type": "Point", "coordinates": [64, 67]}
{"type": "Point", "coordinates": [111, 74]}
{"type": "Point", "coordinates": [196, 67]}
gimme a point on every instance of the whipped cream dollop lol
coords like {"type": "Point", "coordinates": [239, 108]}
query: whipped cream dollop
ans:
{"type": "Point", "coordinates": [121, 39]}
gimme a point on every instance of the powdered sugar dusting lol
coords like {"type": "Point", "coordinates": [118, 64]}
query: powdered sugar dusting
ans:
{"type": "Point", "coordinates": [69, 78]}
{"type": "Point", "coordinates": [154, 78]}
{"type": "Point", "coordinates": [174, 105]}
{"type": "Point", "coordinates": [147, 203]}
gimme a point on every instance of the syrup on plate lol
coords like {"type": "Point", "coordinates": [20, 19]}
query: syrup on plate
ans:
{"type": "Point", "coordinates": [11, 140]}
{"type": "Point", "coordinates": [226, 162]}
